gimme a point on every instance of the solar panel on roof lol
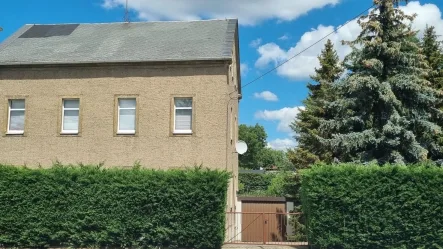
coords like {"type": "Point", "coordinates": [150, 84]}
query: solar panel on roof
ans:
{"type": "Point", "coordinates": [41, 31]}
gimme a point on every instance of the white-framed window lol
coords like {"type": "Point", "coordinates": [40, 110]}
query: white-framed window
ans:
{"type": "Point", "coordinates": [182, 115]}
{"type": "Point", "coordinates": [126, 116]}
{"type": "Point", "coordinates": [70, 116]}
{"type": "Point", "coordinates": [16, 116]}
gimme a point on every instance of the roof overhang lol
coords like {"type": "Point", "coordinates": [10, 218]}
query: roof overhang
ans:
{"type": "Point", "coordinates": [115, 63]}
{"type": "Point", "coordinates": [237, 41]}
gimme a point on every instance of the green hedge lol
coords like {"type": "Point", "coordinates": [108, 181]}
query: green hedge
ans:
{"type": "Point", "coordinates": [352, 206]}
{"type": "Point", "coordinates": [254, 183]}
{"type": "Point", "coordinates": [92, 207]}
{"type": "Point", "coordinates": [282, 184]}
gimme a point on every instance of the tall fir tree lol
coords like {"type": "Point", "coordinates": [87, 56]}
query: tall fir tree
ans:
{"type": "Point", "coordinates": [432, 50]}
{"type": "Point", "coordinates": [306, 124]}
{"type": "Point", "coordinates": [386, 105]}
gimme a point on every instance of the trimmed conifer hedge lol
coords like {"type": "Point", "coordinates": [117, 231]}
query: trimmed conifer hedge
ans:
{"type": "Point", "coordinates": [93, 207]}
{"type": "Point", "coordinates": [355, 206]}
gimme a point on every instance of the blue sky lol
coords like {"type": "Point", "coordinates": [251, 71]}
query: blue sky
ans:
{"type": "Point", "coordinates": [271, 31]}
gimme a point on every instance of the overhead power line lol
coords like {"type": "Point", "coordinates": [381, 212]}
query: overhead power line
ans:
{"type": "Point", "coordinates": [324, 37]}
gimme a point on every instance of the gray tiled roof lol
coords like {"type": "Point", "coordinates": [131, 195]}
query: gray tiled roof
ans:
{"type": "Point", "coordinates": [120, 42]}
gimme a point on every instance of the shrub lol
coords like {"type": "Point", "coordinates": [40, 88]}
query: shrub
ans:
{"type": "Point", "coordinates": [354, 206]}
{"type": "Point", "coordinates": [280, 183]}
{"type": "Point", "coordinates": [252, 182]}
{"type": "Point", "coordinates": [92, 207]}
{"type": "Point", "coordinates": [284, 184]}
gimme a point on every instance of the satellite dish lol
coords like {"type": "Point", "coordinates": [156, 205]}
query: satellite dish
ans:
{"type": "Point", "coordinates": [241, 147]}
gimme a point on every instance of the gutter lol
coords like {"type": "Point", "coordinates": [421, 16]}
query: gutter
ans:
{"type": "Point", "coordinates": [204, 61]}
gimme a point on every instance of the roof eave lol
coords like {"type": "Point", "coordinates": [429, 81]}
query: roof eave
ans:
{"type": "Point", "coordinates": [109, 63]}
{"type": "Point", "coordinates": [237, 40]}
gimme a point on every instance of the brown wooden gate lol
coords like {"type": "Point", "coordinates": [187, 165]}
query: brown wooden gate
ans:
{"type": "Point", "coordinates": [263, 221]}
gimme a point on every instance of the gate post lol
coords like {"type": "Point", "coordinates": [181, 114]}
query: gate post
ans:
{"type": "Point", "coordinates": [264, 228]}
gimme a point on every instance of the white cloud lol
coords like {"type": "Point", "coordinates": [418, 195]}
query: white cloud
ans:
{"type": "Point", "coordinates": [266, 95]}
{"type": "Point", "coordinates": [244, 69]}
{"type": "Point", "coordinates": [303, 65]}
{"type": "Point", "coordinates": [270, 52]}
{"type": "Point", "coordinates": [426, 14]}
{"type": "Point", "coordinates": [249, 12]}
{"type": "Point", "coordinates": [255, 43]}
{"type": "Point", "coordinates": [284, 116]}
{"type": "Point", "coordinates": [282, 144]}
{"type": "Point", "coordinates": [284, 37]}
{"type": "Point", "coordinates": [109, 4]}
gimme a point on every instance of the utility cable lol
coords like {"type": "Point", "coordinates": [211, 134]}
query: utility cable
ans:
{"type": "Point", "coordinates": [324, 37]}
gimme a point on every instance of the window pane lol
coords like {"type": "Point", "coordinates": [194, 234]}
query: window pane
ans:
{"type": "Point", "coordinates": [70, 121]}
{"type": "Point", "coordinates": [17, 104]}
{"type": "Point", "coordinates": [126, 103]}
{"type": "Point", "coordinates": [183, 102]}
{"type": "Point", "coordinates": [17, 121]}
{"type": "Point", "coordinates": [183, 119]}
{"type": "Point", "coordinates": [71, 103]}
{"type": "Point", "coordinates": [127, 120]}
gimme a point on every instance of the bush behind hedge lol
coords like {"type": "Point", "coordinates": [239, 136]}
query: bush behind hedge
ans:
{"type": "Point", "coordinates": [354, 206]}
{"type": "Point", "coordinates": [252, 182]}
{"type": "Point", "coordinates": [92, 207]}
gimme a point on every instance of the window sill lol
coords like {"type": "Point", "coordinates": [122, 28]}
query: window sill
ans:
{"type": "Point", "coordinates": [69, 134]}
{"type": "Point", "coordinates": [182, 133]}
{"type": "Point", "coordinates": [123, 134]}
{"type": "Point", "coordinates": [14, 134]}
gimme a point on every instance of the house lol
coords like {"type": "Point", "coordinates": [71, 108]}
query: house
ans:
{"type": "Point", "coordinates": [165, 94]}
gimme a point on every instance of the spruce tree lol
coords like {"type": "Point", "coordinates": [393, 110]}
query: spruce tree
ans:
{"type": "Point", "coordinates": [306, 124]}
{"type": "Point", "coordinates": [385, 109]}
{"type": "Point", "coordinates": [432, 50]}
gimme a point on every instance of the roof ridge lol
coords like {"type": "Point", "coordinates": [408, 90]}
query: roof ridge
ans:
{"type": "Point", "coordinates": [110, 23]}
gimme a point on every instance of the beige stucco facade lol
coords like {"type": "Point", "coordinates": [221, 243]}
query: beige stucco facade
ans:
{"type": "Point", "coordinates": [215, 113]}
{"type": "Point", "coordinates": [97, 88]}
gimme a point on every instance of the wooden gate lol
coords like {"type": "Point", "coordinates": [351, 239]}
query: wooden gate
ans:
{"type": "Point", "coordinates": [263, 222]}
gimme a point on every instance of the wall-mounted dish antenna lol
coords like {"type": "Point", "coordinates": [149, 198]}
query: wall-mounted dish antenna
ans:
{"type": "Point", "coordinates": [241, 147]}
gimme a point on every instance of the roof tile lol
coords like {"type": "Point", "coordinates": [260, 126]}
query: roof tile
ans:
{"type": "Point", "coordinates": [120, 42]}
